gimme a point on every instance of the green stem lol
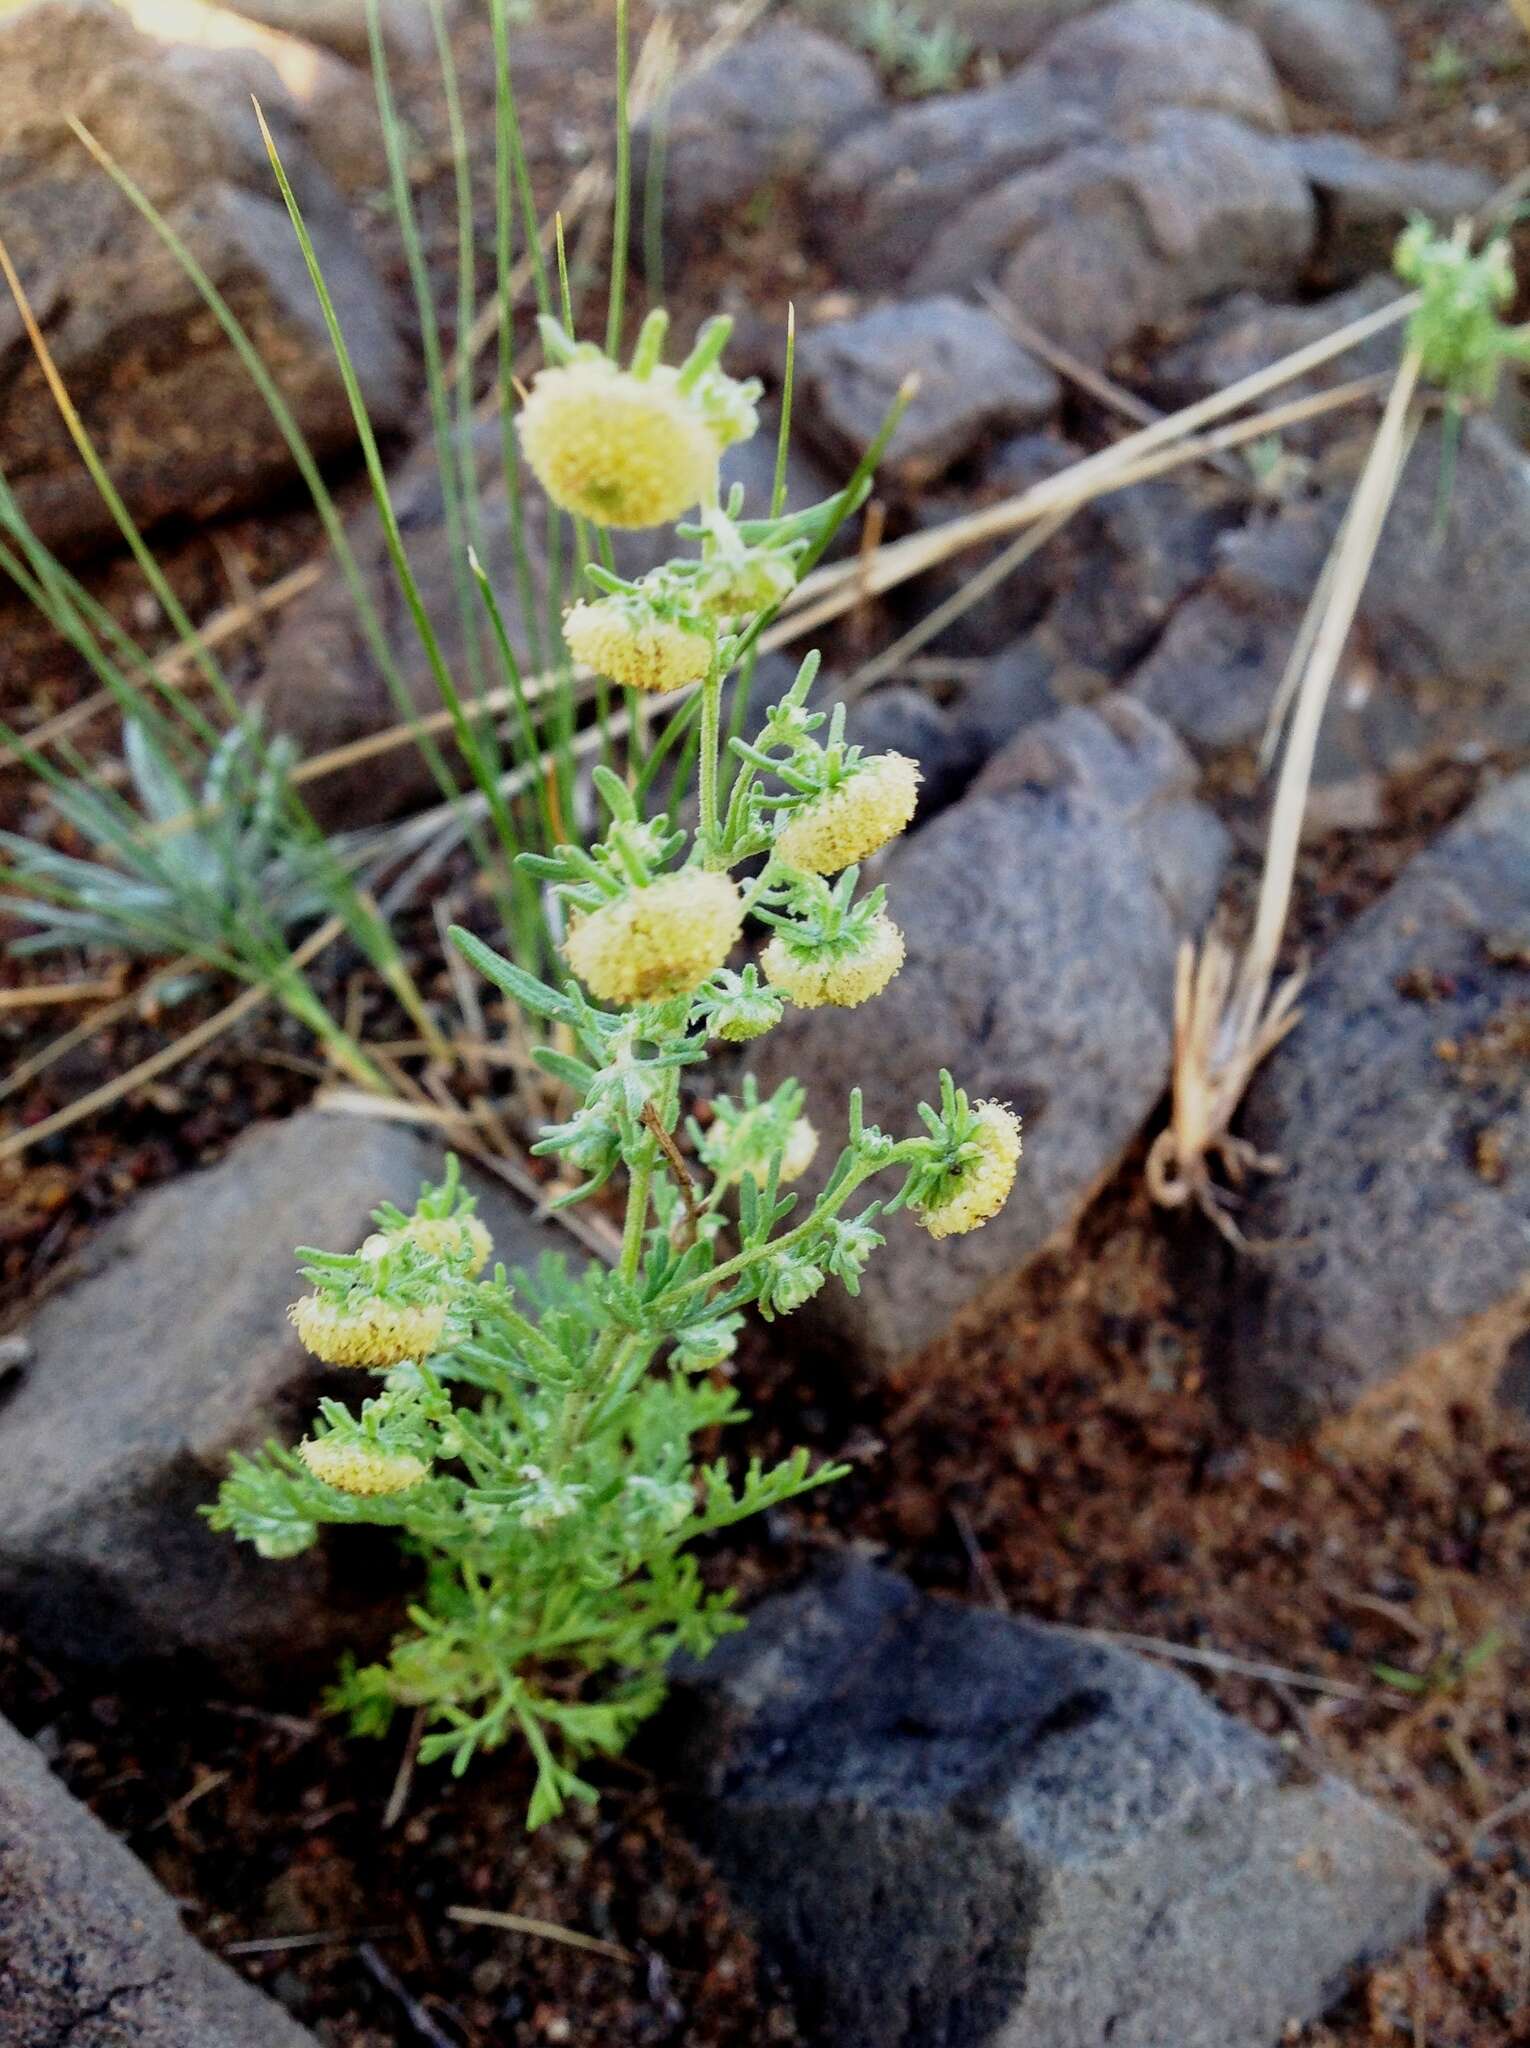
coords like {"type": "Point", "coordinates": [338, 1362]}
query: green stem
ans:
{"type": "Point", "coordinates": [621, 212]}
{"type": "Point", "coordinates": [639, 1188]}
{"type": "Point", "coordinates": [711, 722]}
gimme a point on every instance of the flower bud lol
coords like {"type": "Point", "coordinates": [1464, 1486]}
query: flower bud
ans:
{"type": "Point", "coordinates": [619, 449]}
{"type": "Point", "coordinates": [977, 1189]}
{"type": "Point", "coordinates": [660, 940]}
{"type": "Point", "coordinates": [840, 973]}
{"type": "Point", "coordinates": [368, 1330]}
{"type": "Point", "coordinates": [844, 824]}
{"type": "Point", "coordinates": [635, 646]}
{"type": "Point", "coordinates": [361, 1468]}
{"type": "Point", "coordinates": [462, 1240]}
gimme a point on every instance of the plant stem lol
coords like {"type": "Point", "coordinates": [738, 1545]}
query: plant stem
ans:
{"type": "Point", "coordinates": [639, 1187]}
{"type": "Point", "coordinates": [711, 723]}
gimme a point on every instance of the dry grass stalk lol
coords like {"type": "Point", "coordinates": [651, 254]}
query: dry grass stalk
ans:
{"type": "Point", "coordinates": [543, 1930]}
{"type": "Point", "coordinates": [1228, 1015]}
{"type": "Point", "coordinates": [168, 1056]}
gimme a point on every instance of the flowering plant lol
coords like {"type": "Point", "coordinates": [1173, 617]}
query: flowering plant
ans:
{"type": "Point", "coordinates": [533, 1435]}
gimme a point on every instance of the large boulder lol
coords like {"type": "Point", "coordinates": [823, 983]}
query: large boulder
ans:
{"type": "Point", "coordinates": [1041, 915]}
{"type": "Point", "coordinates": [1400, 1112]}
{"type": "Point", "coordinates": [974, 381]}
{"type": "Point", "coordinates": [173, 412]}
{"type": "Point", "coordinates": [958, 1830]}
{"type": "Point", "coordinates": [754, 119]}
{"type": "Point", "coordinates": [92, 1953]}
{"type": "Point", "coordinates": [169, 1350]}
{"type": "Point", "coordinates": [331, 102]}
{"type": "Point", "coordinates": [1120, 237]}
{"type": "Point", "coordinates": [895, 197]}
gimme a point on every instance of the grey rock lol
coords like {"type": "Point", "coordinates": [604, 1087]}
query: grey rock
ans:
{"type": "Point", "coordinates": [959, 1830]}
{"type": "Point", "coordinates": [755, 119]}
{"type": "Point", "coordinates": [896, 194]}
{"type": "Point", "coordinates": [1340, 54]}
{"type": "Point", "coordinates": [994, 621]}
{"type": "Point", "coordinates": [894, 188]}
{"type": "Point", "coordinates": [92, 1952]}
{"type": "Point", "coordinates": [1127, 60]}
{"type": "Point", "coordinates": [1365, 200]}
{"type": "Point", "coordinates": [1016, 688]}
{"type": "Point", "coordinates": [1041, 916]}
{"type": "Point", "coordinates": [1441, 653]}
{"type": "Point", "coordinates": [172, 410]}
{"type": "Point", "coordinates": [169, 1350]}
{"type": "Point", "coordinates": [1157, 542]}
{"type": "Point", "coordinates": [1120, 237]}
{"type": "Point", "coordinates": [1403, 1212]}
{"type": "Point", "coordinates": [1248, 334]}
{"type": "Point", "coordinates": [973, 381]}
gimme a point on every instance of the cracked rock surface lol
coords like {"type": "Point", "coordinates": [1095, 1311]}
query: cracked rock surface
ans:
{"type": "Point", "coordinates": [92, 1952]}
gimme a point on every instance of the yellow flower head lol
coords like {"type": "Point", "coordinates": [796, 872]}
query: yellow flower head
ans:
{"type": "Point", "coordinates": [619, 449]}
{"type": "Point", "coordinates": [638, 648]}
{"type": "Point", "coordinates": [462, 1239]}
{"type": "Point", "coordinates": [980, 1188]}
{"type": "Point", "coordinates": [361, 1468]}
{"type": "Point", "coordinates": [840, 976]}
{"type": "Point", "coordinates": [660, 940]}
{"type": "Point", "coordinates": [370, 1331]}
{"type": "Point", "coordinates": [872, 805]}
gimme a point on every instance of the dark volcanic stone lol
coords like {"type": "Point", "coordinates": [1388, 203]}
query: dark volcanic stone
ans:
{"type": "Point", "coordinates": [1041, 915]}
{"type": "Point", "coordinates": [1400, 1109]}
{"type": "Point", "coordinates": [172, 410]}
{"type": "Point", "coordinates": [1441, 651]}
{"type": "Point", "coordinates": [170, 1350]}
{"type": "Point", "coordinates": [1125, 235]}
{"type": "Point", "coordinates": [92, 1953]}
{"type": "Point", "coordinates": [757, 117]}
{"type": "Point", "coordinates": [956, 1829]}
{"type": "Point", "coordinates": [973, 381]}
{"type": "Point", "coordinates": [1365, 200]}
{"type": "Point", "coordinates": [1339, 54]}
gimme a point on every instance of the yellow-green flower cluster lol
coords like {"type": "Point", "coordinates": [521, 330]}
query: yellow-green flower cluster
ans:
{"type": "Point", "coordinates": [979, 1188]}
{"type": "Point", "coordinates": [361, 1468]}
{"type": "Point", "coordinates": [637, 646]}
{"type": "Point", "coordinates": [464, 1240]}
{"type": "Point", "coordinates": [368, 1330]}
{"type": "Point", "coordinates": [620, 449]}
{"type": "Point", "coordinates": [872, 805]}
{"type": "Point", "coordinates": [662, 939]}
{"type": "Point", "coordinates": [839, 974]}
